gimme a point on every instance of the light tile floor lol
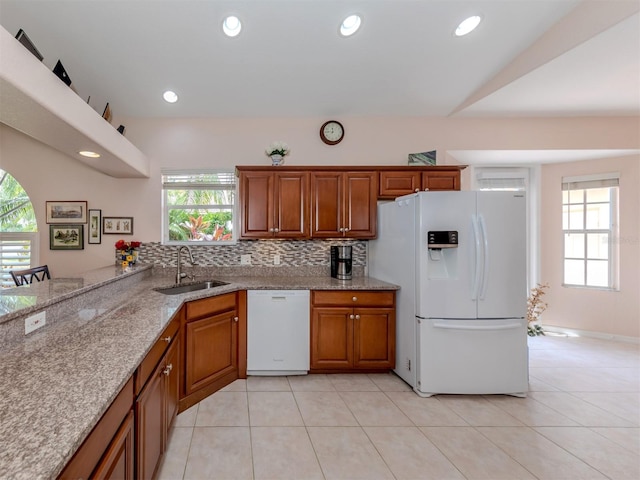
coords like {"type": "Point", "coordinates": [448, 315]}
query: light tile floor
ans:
{"type": "Point", "coordinates": [581, 420]}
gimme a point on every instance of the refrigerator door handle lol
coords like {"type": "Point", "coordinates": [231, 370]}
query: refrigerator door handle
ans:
{"type": "Point", "coordinates": [485, 258]}
{"type": "Point", "coordinates": [505, 326]}
{"type": "Point", "coordinates": [478, 271]}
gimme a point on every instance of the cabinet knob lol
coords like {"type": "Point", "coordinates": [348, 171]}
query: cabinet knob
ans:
{"type": "Point", "coordinates": [357, 317]}
{"type": "Point", "coordinates": [417, 190]}
{"type": "Point", "coordinates": [235, 319]}
{"type": "Point", "coordinates": [355, 299]}
{"type": "Point", "coordinates": [351, 316]}
{"type": "Point", "coordinates": [167, 339]}
{"type": "Point", "coordinates": [168, 369]}
{"type": "Point", "coordinates": [276, 230]}
{"type": "Point", "coordinates": [426, 189]}
{"type": "Point", "coordinates": [346, 229]}
{"type": "Point", "coordinates": [341, 229]}
{"type": "Point", "coordinates": [271, 230]}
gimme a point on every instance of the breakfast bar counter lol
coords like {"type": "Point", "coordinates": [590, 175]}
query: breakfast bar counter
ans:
{"type": "Point", "coordinates": [59, 380]}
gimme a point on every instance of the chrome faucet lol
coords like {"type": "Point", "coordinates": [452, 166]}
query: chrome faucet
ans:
{"type": "Point", "coordinates": [179, 274]}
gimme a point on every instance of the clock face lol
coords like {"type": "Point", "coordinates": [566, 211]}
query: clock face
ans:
{"type": "Point", "coordinates": [331, 132]}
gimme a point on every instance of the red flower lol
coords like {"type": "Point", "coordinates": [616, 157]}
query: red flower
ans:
{"type": "Point", "coordinates": [122, 245]}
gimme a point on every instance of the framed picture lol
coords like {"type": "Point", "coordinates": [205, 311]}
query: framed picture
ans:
{"type": "Point", "coordinates": [423, 159]}
{"type": "Point", "coordinates": [106, 114]}
{"type": "Point", "coordinates": [66, 212]}
{"type": "Point", "coordinates": [117, 225]}
{"type": "Point", "coordinates": [26, 41]}
{"type": "Point", "coordinates": [95, 227]}
{"type": "Point", "coordinates": [66, 237]}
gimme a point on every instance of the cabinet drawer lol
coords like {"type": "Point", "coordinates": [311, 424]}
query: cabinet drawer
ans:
{"type": "Point", "coordinates": [155, 354]}
{"type": "Point", "coordinates": [210, 306]}
{"type": "Point", "coordinates": [356, 298]}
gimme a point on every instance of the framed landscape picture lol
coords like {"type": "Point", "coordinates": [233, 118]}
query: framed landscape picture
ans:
{"type": "Point", "coordinates": [66, 237]}
{"type": "Point", "coordinates": [117, 225]}
{"type": "Point", "coordinates": [66, 211]}
{"type": "Point", "coordinates": [95, 227]}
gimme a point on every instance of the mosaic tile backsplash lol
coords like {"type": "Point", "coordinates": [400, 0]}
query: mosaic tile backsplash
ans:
{"type": "Point", "coordinates": [293, 253]}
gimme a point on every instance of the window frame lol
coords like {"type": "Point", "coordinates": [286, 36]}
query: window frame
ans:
{"type": "Point", "coordinates": [34, 249]}
{"type": "Point", "coordinates": [607, 180]}
{"type": "Point", "coordinates": [193, 186]}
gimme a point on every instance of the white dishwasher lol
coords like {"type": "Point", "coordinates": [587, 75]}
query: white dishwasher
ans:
{"type": "Point", "coordinates": [278, 332]}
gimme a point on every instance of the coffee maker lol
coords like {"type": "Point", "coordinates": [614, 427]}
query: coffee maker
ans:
{"type": "Point", "coordinates": [341, 262]}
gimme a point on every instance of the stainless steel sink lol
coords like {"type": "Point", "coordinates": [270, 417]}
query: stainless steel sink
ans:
{"type": "Point", "coordinates": [190, 287]}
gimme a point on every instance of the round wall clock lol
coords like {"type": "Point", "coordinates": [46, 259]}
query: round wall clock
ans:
{"type": "Point", "coordinates": [331, 132]}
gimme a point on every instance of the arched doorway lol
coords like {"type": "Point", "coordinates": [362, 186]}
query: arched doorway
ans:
{"type": "Point", "coordinates": [18, 229]}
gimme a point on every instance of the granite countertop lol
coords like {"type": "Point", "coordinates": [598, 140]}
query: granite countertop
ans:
{"type": "Point", "coordinates": [59, 380]}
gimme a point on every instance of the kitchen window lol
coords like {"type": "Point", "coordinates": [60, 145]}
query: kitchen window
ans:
{"type": "Point", "coordinates": [590, 226]}
{"type": "Point", "coordinates": [198, 206]}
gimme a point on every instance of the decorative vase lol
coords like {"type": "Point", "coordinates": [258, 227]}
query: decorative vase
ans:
{"type": "Point", "coordinates": [277, 160]}
{"type": "Point", "coordinates": [127, 257]}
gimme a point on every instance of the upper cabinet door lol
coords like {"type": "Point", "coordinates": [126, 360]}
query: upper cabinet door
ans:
{"type": "Point", "coordinates": [326, 204]}
{"type": "Point", "coordinates": [256, 204]}
{"type": "Point", "coordinates": [360, 204]}
{"type": "Point", "coordinates": [343, 204]}
{"type": "Point", "coordinates": [397, 183]}
{"type": "Point", "coordinates": [441, 180]}
{"type": "Point", "coordinates": [291, 204]}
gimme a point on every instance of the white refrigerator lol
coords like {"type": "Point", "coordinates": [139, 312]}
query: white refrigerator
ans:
{"type": "Point", "coordinates": [460, 261]}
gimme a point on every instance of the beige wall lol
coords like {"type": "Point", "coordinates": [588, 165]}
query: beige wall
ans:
{"type": "Point", "coordinates": [217, 143]}
{"type": "Point", "coordinates": [593, 310]}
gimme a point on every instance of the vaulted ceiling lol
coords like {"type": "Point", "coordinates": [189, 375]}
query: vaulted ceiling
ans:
{"type": "Point", "coordinates": [527, 57]}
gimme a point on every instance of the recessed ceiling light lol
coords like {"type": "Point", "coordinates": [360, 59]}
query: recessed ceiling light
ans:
{"type": "Point", "coordinates": [468, 25]}
{"type": "Point", "coordinates": [170, 96]}
{"type": "Point", "coordinates": [89, 154]}
{"type": "Point", "coordinates": [350, 25]}
{"type": "Point", "coordinates": [231, 26]}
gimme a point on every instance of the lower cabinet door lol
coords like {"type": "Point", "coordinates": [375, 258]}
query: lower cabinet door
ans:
{"type": "Point", "coordinates": [117, 462]}
{"type": "Point", "coordinates": [374, 338]}
{"type": "Point", "coordinates": [150, 424]}
{"type": "Point", "coordinates": [331, 338]}
{"type": "Point", "coordinates": [212, 349]}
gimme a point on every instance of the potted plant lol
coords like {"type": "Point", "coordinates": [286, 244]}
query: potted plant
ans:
{"type": "Point", "coordinates": [535, 306]}
{"type": "Point", "coordinates": [277, 151]}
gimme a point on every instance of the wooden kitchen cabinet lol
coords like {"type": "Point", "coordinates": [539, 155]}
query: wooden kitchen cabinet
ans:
{"type": "Point", "coordinates": [108, 450]}
{"type": "Point", "coordinates": [117, 463]}
{"type": "Point", "coordinates": [274, 204]}
{"type": "Point", "coordinates": [352, 330]}
{"type": "Point", "coordinates": [405, 180]}
{"type": "Point", "coordinates": [441, 180]}
{"type": "Point", "coordinates": [215, 345]}
{"type": "Point", "coordinates": [156, 408]}
{"type": "Point", "coordinates": [343, 204]}
{"type": "Point", "coordinates": [397, 183]}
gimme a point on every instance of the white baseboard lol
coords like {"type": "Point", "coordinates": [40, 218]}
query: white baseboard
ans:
{"type": "Point", "coordinates": [589, 334]}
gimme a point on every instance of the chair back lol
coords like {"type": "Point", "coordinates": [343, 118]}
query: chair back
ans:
{"type": "Point", "coordinates": [25, 277]}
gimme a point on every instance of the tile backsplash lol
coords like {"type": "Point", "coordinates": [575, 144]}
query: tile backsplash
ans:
{"type": "Point", "coordinates": [292, 253]}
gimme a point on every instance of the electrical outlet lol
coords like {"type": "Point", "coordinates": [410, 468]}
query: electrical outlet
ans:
{"type": "Point", "coordinates": [35, 322]}
{"type": "Point", "coordinates": [276, 259]}
{"type": "Point", "coordinates": [245, 259]}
